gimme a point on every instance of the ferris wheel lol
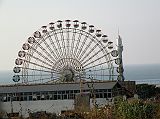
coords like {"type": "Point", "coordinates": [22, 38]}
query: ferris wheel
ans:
{"type": "Point", "coordinates": [67, 51]}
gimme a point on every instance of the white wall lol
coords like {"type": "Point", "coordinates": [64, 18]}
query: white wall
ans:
{"type": "Point", "coordinates": [55, 106]}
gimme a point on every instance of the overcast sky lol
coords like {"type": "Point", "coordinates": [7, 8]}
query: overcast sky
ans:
{"type": "Point", "coordinates": [138, 21]}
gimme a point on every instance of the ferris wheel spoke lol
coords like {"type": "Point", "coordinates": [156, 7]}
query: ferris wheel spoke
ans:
{"type": "Point", "coordinates": [44, 50]}
{"type": "Point", "coordinates": [91, 50]}
{"type": "Point", "coordinates": [93, 75]}
{"type": "Point", "coordinates": [100, 78]}
{"type": "Point", "coordinates": [101, 69]}
{"type": "Point", "coordinates": [48, 47]}
{"type": "Point", "coordinates": [77, 44]}
{"type": "Point", "coordinates": [95, 54]}
{"type": "Point", "coordinates": [36, 75]}
{"type": "Point", "coordinates": [67, 38]}
{"type": "Point", "coordinates": [93, 61]}
{"type": "Point", "coordinates": [60, 66]}
{"type": "Point", "coordinates": [40, 70]}
{"type": "Point", "coordinates": [64, 53]}
{"type": "Point", "coordinates": [37, 64]}
{"type": "Point", "coordinates": [58, 43]}
{"type": "Point", "coordinates": [82, 45]}
{"type": "Point", "coordinates": [53, 45]}
{"type": "Point", "coordinates": [41, 55]}
{"type": "Point", "coordinates": [71, 63]}
{"type": "Point", "coordinates": [40, 75]}
{"type": "Point", "coordinates": [54, 80]}
{"type": "Point", "coordinates": [39, 60]}
{"type": "Point", "coordinates": [72, 45]}
{"type": "Point", "coordinates": [63, 43]}
{"type": "Point", "coordinates": [37, 80]}
{"type": "Point", "coordinates": [67, 44]}
{"type": "Point", "coordinates": [73, 41]}
{"type": "Point", "coordinates": [95, 65]}
{"type": "Point", "coordinates": [84, 51]}
{"type": "Point", "coordinates": [105, 52]}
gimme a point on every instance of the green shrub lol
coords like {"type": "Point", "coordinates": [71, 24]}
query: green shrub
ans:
{"type": "Point", "coordinates": [135, 109]}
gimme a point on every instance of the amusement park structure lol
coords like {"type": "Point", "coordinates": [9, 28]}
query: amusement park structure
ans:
{"type": "Point", "coordinates": [67, 51]}
{"type": "Point", "coordinates": [60, 61]}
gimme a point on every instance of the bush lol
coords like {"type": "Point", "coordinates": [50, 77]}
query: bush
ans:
{"type": "Point", "coordinates": [136, 109]}
{"type": "Point", "coordinates": [146, 91]}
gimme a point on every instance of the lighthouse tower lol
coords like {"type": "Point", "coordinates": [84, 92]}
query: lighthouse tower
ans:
{"type": "Point", "coordinates": [120, 50]}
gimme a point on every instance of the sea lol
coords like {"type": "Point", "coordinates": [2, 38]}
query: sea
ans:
{"type": "Point", "coordinates": [143, 73]}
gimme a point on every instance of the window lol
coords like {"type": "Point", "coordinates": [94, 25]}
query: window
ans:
{"type": "Point", "coordinates": [28, 93]}
{"type": "Point", "coordinates": [97, 95]}
{"type": "Point", "coordinates": [50, 96]}
{"type": "Point", "coordinates": [51, 92]}
{"type": "Point", "coordinates": [55, 97]}
{"type": "Point", "coordinates": [55, 92]}
{"type": "Point", "coordinates": [109, 90]}
{"type": "Point", "coordinates": [14, 98]}
{"type": "Point", "coordinates": [30, 98]}
{"type": "Point", "coordinates": [34, 97]}
{"type": "Point", "coordinates": [47, 97]}
{"type": "Point", "coordinates": [42, 97]}
{"type": "Point", "coordinates": [37, 93]}
{"type": "Point", "coordinates": [71, 96]}
{"type": "Point", "coordinates": [21, 94]}
{"type": "Point", "coordinates": [21, 99]}
{"type": "Point", "coordinates": [101, 95]}
{"type": "Point", "coordinates": [76, 91]}
{"type": "Point", "coordinates": [85, 90]}
{"type": "Point", "coordinates": [100, 90]}
{"type": "Point", "coordinates": [71, 91]}
{"type": "Point", "coordinates": [63, 92]}
{"type": "Point", "coordinates": [67, 92]}
{"type": "Point", "coordinates": [38, 97]}
{"type": "Point", "coordinates": [25, 98]}
{"type": "Point", "coordinates": [105, 90]}
{"type": "Point", "coordinates": [109, 95]}
{"type": "Point", "coordinates": [17, 99]}
{"type": "Point", "coordinates": [8, 98]}
{"type": "Point", "coordinates": [5, 99]}
{"type": "Point", "coordinates": [91, 95]}
{"type": "Point", "coordinates": [96, 90]}
{"type": "Point", "coordinates": [64, 96]}
{"type": "Point", "coordinates": [58, 97]}
{"type": "Point", "coordinates": [59, 92]}
{"type": "Point", "coordinates": [105, 95]}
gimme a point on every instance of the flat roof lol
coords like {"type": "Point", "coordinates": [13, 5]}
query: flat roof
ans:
{"type": "Point", "coordinates": [56, 86]}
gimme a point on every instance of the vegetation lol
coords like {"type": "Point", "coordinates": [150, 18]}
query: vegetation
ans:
{"type": "Point", "coordinates": [146, 91]}
{"type": "Point", "coordinates": [136, 109]}
{"type": "Point", "coordinates": [121, 109]}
